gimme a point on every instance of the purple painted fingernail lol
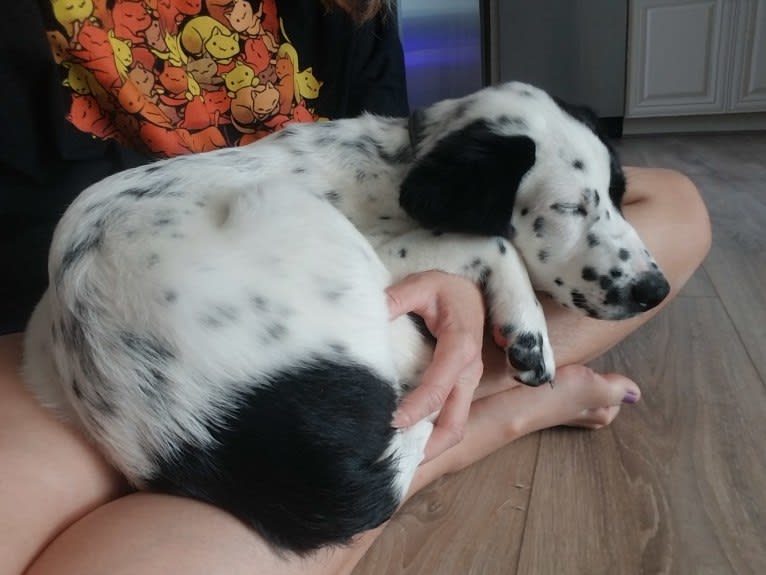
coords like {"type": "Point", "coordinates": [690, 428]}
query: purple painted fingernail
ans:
{"type": "Point", "coordinates": [630, 397]}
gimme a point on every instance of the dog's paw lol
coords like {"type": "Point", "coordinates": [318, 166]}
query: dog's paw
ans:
{"type": "Point", "coordinates": [530, 354]}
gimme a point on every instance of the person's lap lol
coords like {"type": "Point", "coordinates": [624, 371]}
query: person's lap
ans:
{"type": "Point", "coordinates": [56, 491]}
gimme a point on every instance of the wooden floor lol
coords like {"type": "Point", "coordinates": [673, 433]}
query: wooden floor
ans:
{"type": "Point", "coordinates": [678, 483]}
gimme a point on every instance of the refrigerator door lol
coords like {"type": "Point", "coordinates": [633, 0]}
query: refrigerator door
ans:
{"type": "Point", "coordinates": [575, 49]}
{"type": "Point", "coordinates": [442, 48]}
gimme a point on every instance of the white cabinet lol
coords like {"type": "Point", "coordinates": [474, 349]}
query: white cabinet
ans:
{"type": "Point", "coordinates": [748, 88]}
{"type": "Point", "coordinates": [696, 57]}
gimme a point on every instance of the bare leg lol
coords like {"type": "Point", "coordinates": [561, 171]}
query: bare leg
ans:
{"type": "Point", "coordinates": [50, 475]}
{"type": "Point", "coordinates": [158, 534]}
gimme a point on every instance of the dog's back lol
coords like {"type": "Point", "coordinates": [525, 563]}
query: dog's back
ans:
{"type": "Point", "coordinates": [211, 345]}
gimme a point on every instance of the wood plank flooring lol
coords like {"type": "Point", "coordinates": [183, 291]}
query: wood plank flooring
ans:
{"type": "Point", "coordinates": [677, 485]}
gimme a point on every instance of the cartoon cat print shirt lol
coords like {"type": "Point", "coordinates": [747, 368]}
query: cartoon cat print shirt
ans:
{"type": "Point", "coordinates": [173, 77]}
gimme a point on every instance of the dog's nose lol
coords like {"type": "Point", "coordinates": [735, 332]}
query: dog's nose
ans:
{"type": "Point", "coordinates": [649, 290]}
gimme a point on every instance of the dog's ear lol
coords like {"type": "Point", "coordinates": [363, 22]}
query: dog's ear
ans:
{"type": "Point", "coordinates": [468, 182]}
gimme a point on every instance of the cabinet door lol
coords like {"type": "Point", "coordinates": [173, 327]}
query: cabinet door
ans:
{"type": "Point", "coordinates": [678, 50]}
{"type": "Point", "coordinates": [748, 90]}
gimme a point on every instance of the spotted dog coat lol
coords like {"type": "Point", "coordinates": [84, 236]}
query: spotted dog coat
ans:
{"type": "Point", "coordinates": [217, 323]}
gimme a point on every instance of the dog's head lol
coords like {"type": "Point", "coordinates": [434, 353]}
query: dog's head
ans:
{"type": "Point", "coordinates": [511, 161]}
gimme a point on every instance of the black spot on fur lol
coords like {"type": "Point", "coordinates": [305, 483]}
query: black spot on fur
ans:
{"type": "Point", "coordinates": [260, 303]}
{"type": "Point", "coordinates": [339, 348]}
{"type": "Point", "coordinates": [140, 193]}
{"type": "Point", "coordinates": [579, 301]}
{"type": "Point", "coordinates": [219, 316]}
{"type": "Point", "coordinates": [163, 221]}
{"type": "Point", "coordinates": [86, 242]}
{"type": "Point", "coordinates": [593, 240]}
{"type": "Point", "coordinates": [623, 254]}
{"type": "Point", "coordinates": [605, 282]}
{"type": "Point", "coordinates": [615, 273]}
{"type": "Point", "coordinates": [538, 226]}
{"type": "Point", "coordinates": [558, 282]}
{"type": "Point", "coordinates": [76, 389]}
{"type": "Point", "coordinates": [501, 247]}
{"type": "Point", "coordinates": [299, 170]}
{"type": "Point", "coordinates": [589, 274]}
{"type": "Point", "coordinates": [170, 296]}
{"type": "Point", "coordinates": [332, 196]}
{"type": "Point", "coordinates": [542, 255]}
{"type": "Point", "coordinates": [402, 253]}
{"type": "Point", "coordinates": [524, 211]}
{"type": "Point", "coordinates": [276, 331]}
{"type": "Point", "coordinates": [468, 182]}
{"type": "Point", "coordinates": [300, 460]}
{"type": "Point", "coordinates": [484, 274]}
{"type": "Point", "coordinates": [333, 292]}
{"type": "Point", "coordinates": [596, 198]}
{"type": "Point", "coordinates": [384, 218]}
{"type": "Point", "coordinates": [578, 165]}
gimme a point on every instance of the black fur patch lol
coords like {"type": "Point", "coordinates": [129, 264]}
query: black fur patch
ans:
{"type": "Point", "coordinates": [542, 255]}
{"type": "Point", "coordinates": [578, 165]}
{"type": "Point", "coordinates": [593, 240]}
{"type": "Point", "coordinates": [589, 274]}
{"type": "Point", "coordinates": [300, 460]}
{"type": "Point", "coordinates": [501, 247]}
{"type": "Point", "coordinates": [538, 226]}
{"type": "Point", "coordinates": [468, 182]}
{"type": "Point", "coordinates": [402, 253]}
{"type": "Point", "coordinates": [623, 254]}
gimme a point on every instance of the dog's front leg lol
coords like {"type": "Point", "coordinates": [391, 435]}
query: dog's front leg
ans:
{"type": "Point", "coordinates": [492, 263]}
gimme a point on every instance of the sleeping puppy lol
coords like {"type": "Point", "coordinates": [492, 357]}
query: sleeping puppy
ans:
{"type": "Point", "coordinates": [217, 323]}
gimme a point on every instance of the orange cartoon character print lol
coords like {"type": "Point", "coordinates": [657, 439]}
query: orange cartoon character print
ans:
{"type": "Point", "coordinates": [174, 77]}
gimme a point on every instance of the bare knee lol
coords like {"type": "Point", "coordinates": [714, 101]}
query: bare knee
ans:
{"type": "Point", "coordinates": [669, 212]}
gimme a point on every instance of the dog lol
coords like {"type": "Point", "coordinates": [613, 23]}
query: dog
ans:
{"type": "Point", "coordinates": [217, 323]}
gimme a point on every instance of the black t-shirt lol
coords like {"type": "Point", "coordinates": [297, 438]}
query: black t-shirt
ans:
{"type": "Point", "coordinates": [91, 88]}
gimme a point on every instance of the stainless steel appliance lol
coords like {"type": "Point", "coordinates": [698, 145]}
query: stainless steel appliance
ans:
{"type": "Point", "coordinates": [575, 49]}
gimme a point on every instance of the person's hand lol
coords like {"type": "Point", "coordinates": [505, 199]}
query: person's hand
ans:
{"type": "Point", "coordinates": [453, 310]}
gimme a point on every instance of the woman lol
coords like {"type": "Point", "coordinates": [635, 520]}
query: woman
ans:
{"type": "Point", "coordinates": [136, 80]}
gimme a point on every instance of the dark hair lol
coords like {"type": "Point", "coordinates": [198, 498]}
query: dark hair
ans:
{"type": "Point", "coordinates": [359, 10]}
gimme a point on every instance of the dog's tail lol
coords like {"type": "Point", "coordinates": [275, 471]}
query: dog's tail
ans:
{"type": "Point", "coordinates": [309, 459]}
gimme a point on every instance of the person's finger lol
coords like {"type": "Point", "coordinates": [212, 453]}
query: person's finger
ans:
{"type": "Point", "coordinates": [410, 295]}
{"type": "Point", "coordinates": [450, 426]}
{"type": "Point", "coordinates": [455, 351]}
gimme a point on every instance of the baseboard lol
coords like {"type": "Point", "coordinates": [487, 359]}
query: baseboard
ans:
{"type": "Point", "coordinates": [748, 122]}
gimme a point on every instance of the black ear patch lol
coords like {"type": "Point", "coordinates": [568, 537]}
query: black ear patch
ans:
{"type": "Point", "coordinates": [468, 182]}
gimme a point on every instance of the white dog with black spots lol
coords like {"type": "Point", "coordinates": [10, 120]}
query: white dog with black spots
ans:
{"type": "Point", "coordinates": [217, 323]}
